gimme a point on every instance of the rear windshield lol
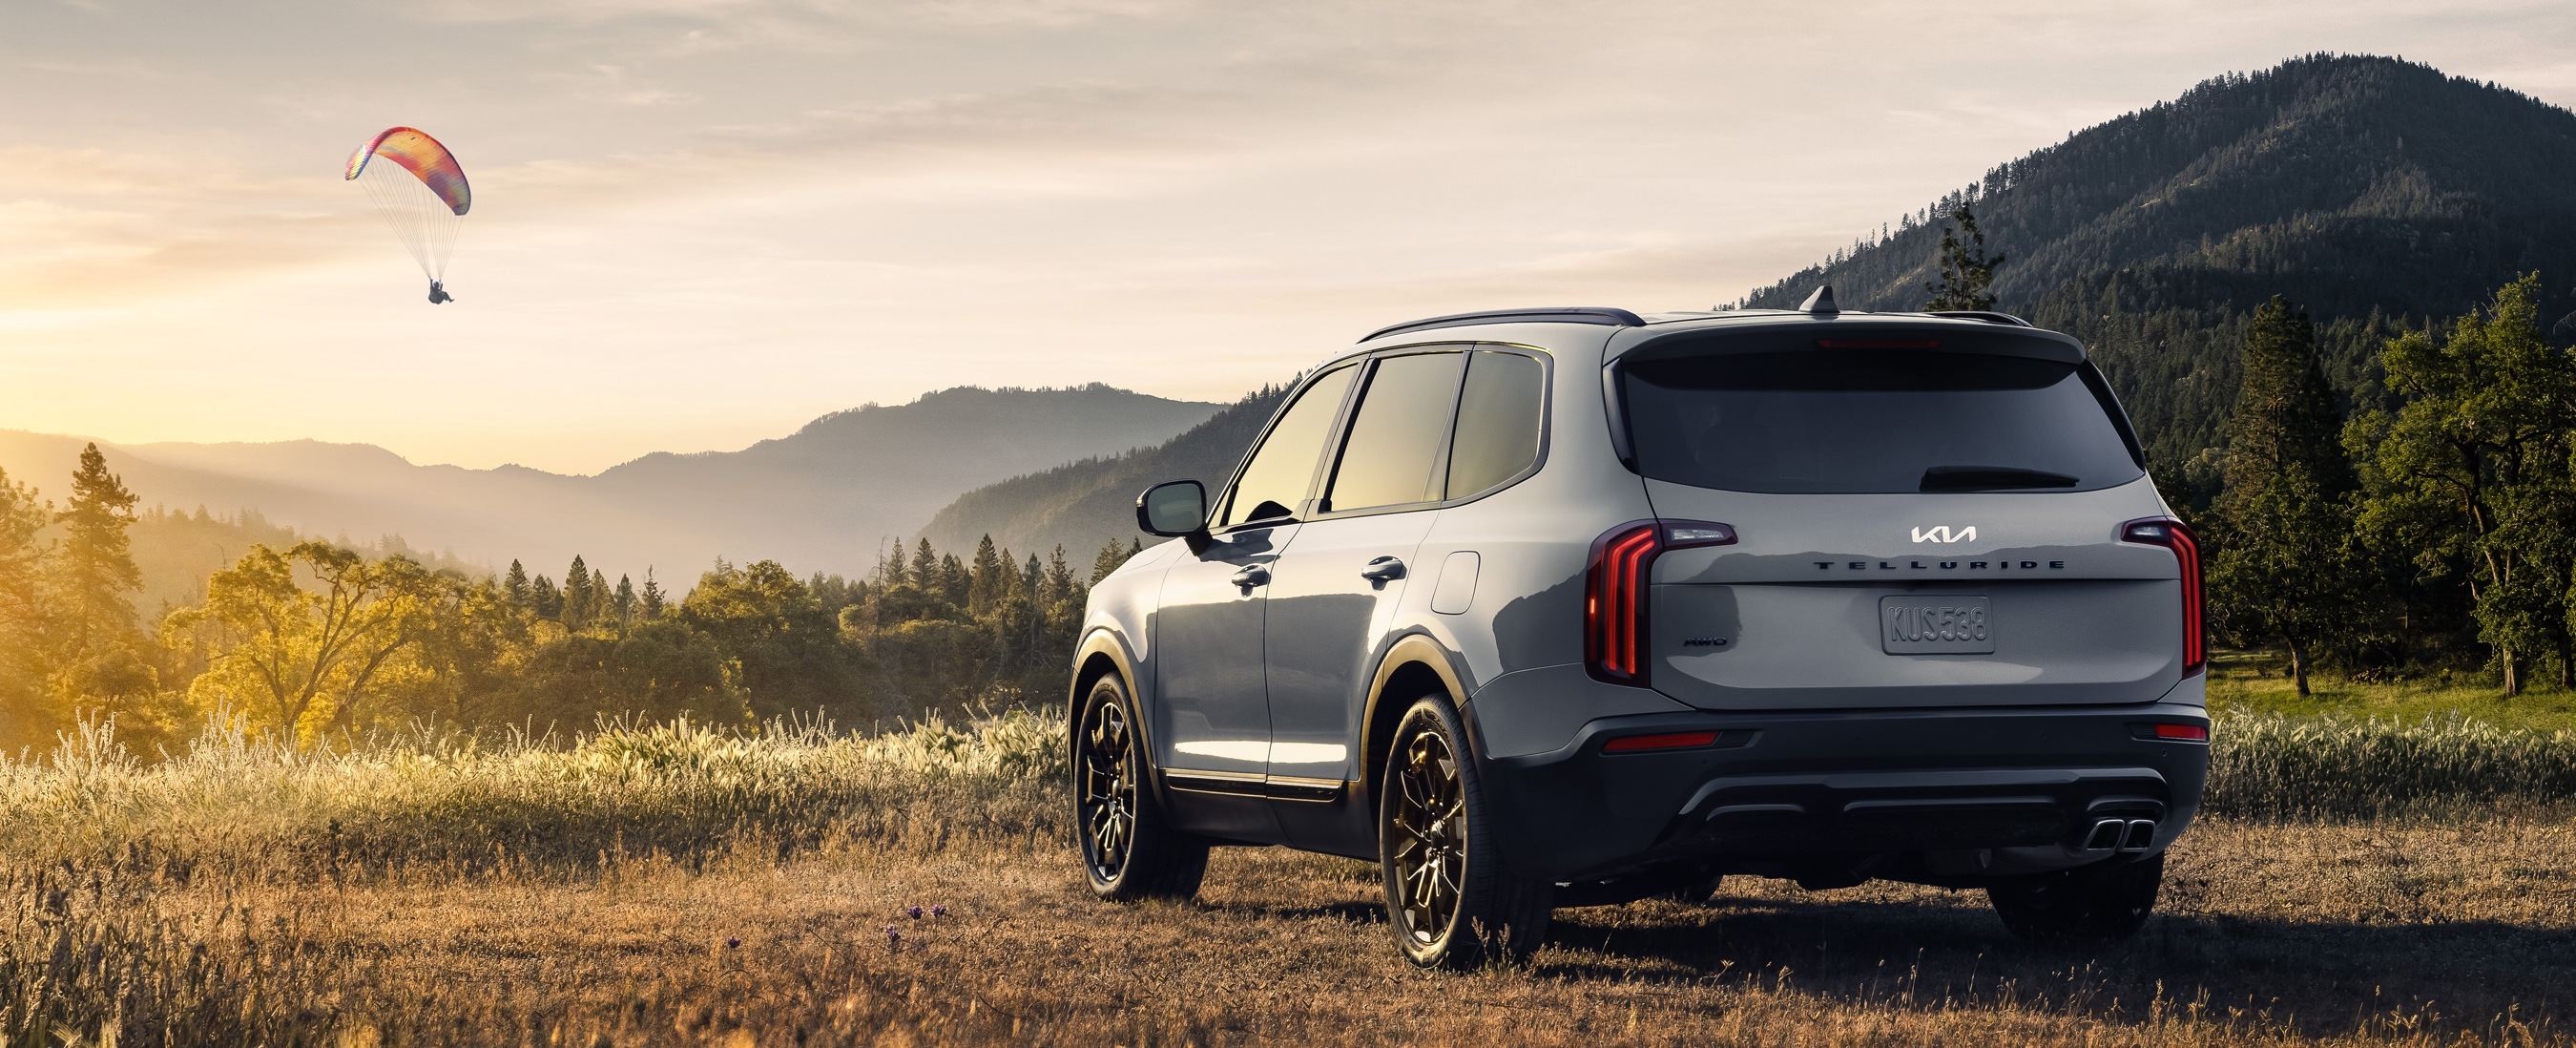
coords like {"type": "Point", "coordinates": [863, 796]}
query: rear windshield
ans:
{"type": "Point", "coordinates": [1853, 421]}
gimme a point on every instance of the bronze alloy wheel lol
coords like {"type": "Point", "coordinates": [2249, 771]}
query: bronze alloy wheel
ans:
{"type": "Point", "coordinates": [1108, 790]}
{"type": "Point", "coordinates": [1128, 850]}
{"type": "Point", "coordinates": [1450, 899]}
{"type": "Point", "coordinates": [1427, 824]}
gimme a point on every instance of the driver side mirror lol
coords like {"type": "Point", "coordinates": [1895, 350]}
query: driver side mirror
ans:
{"type": "Point", "coordinates": [1174, 508]}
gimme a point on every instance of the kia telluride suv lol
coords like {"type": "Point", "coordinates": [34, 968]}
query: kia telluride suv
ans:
{"type": "Point", "coordinates": [1570, 607]}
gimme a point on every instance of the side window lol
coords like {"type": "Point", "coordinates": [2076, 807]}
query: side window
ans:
{"type": "Point", "coordinates": [1498, 422]}
{"type": "Point", "coordinates": [1275, 479]}
{"type": "Point", "coordinates": [1393, 454]}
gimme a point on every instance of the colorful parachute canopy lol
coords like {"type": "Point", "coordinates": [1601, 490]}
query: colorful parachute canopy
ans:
{"type": "Point", "coordinates": [424, 157]}
{"type": "Point", "coordinates": [421, 193]}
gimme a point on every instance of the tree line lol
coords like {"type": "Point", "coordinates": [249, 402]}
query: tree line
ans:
{"type": "Point", "coordinates": [2439, 531]}
{"type": "Point", "coordinates": [315, 639]}
{"type": "Point", "coordinates": [2430, 527]}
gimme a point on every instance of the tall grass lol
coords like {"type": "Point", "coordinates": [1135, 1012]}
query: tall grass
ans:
{"type": "Point", "coordinates": [681, 790]}
{"type": "Point", "coordinates": [2273, 765]}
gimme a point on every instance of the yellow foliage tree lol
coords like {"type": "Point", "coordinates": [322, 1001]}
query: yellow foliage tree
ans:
{"type": "Point", "coordinates": [294, 658]}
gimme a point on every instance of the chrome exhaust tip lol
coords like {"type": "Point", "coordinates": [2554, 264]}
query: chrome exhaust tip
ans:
{"type": "Point", "coordinates": [2141, 835]}
{"type": "Point", "coordinates": [2106, 835]}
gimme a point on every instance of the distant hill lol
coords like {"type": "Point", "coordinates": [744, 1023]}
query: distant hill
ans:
{"type": "Point", "coordinates": [1083, 505]}
{"type": "Point", "coordinates": [820, 499]}
{"type": "Point", "coordinates": [2376, 192]}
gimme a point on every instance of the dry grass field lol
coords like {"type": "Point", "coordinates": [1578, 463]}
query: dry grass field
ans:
{"type": "Point", "coordinates": [675, 889]}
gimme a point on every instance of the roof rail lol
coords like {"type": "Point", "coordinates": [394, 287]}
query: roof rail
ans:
{"type": "Point", "coordinates": [1987, 315]}
{"type": "Point", "coordinates": [1564, 315]}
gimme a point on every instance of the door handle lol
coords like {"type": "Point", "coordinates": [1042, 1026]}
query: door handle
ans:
{"type": "Point", "coordinates": [1383, 569]}
{"type": "Point", "coordinates": [1255, 575]}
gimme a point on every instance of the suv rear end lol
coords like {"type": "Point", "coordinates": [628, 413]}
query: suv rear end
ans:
{"type": "Point", "coordinates": [1928, 617]}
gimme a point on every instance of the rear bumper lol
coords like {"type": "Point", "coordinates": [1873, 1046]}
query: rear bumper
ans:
{"type": "Point", "coordinates": [1941, 796]}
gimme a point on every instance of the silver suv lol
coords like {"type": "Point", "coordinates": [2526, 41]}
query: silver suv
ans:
{"type": "Point", "coordinates": [1572, 607]}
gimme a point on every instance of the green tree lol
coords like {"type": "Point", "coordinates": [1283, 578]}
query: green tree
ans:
{"type": "Point", "coordinates": [1965, 274]}
{"type": "Point", "coordinates": [2286, 565]}
{"type": "Point", "coordinates": [624, 601]}
{"type": "Point", "coordinates": [2482, 443]}
{"type": "Point", "coordinates": [986, 585]}
{"type": "Point", "coordinates": [301, 660]}
{"type": "Point", "coordinates": [94, 563]}
{"type": "Point", "coordinates": [24, 718]}
{"type": "Point", "coordinates": [1108, 560]}
{"type": "Point", "coordinates": [580, 600]}
{"type": "Point", "coordinates": [654, 599]}
{"type": "Point", "coordinates": [788, 648]}
{"type": "Point", "coordinates": [514, 586]}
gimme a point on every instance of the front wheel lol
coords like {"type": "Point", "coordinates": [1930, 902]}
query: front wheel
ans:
{"type": "Point", "coordinates": [1450, 899]}
{"type": "Point", "coordinates": [2105, 902]}
{"type": "Point", "coordinates": [1128, 849]}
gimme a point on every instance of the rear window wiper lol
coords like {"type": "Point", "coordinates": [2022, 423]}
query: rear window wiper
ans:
{"type": "Point", "coordinates": [1991, 478]}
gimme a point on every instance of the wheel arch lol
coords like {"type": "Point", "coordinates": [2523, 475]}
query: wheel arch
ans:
{"type": "Point", "coordinates": [1103, 654]}
{"type": "Point", "coordinates": [1414, 666]}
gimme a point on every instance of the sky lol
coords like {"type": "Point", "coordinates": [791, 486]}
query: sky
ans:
{"type": "Point", "coordinates": [699, 223]}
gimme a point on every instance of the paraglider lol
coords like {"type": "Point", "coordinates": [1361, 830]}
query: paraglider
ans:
{"type": "Point", "coordinates": [421, 192]}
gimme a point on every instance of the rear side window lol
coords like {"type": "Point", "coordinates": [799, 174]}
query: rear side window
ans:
{"type": "Point", "coordinates": [1855, 421]}
{"type": "Point", "coordinates": [1393, 454]}
{"type": "Point", "coordinates": [1498, 422]}
{"type": "Point", "coordinates": [1274, 481]}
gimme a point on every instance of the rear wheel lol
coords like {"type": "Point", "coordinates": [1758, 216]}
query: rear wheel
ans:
{"type": "Point", "coordinates": [1450, 900]}
{"type": "Point", "coordinates": [1128, 849]}
{"type": "Point", "coordinates": [2104, 902]}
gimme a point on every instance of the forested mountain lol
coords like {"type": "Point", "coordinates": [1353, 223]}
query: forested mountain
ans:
{"type": "Point", "coordinates": [2376, 192]}
{"type": "Point", "coordinates": [820, 499]}
{"type": "Point", "coordinates": [1080, 505]}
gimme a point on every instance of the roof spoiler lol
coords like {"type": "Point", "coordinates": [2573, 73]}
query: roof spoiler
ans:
{"type": "Point", "coordinates": [1601, 315]}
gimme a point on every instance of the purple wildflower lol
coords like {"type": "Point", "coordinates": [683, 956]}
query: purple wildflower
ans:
{"type": "Point", "coordinates": [894, 937]}
{"type": "Point", "coordinates": [939, 911]}
{"type": "Point", "coordinates": [913, 912]}
{"type": "Point", "coordinates": [733, 943]}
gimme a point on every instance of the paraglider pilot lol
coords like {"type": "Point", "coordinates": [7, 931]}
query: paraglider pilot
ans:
{"type": "Point", "coordinates": [438, 294]}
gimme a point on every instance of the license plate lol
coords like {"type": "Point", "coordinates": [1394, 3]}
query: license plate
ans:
{"type": "Point", "coordinates": [1945, 625]}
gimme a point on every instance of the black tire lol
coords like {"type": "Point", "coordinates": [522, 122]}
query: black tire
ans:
{"type": "Point", "coordinates": [1450, 900]}
{"type": "Point", "coordinates": [2104, 902]}
{"type": "Point", "coordinates": [1129, 851]}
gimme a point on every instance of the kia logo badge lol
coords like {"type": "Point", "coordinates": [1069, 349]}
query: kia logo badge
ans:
{"type": "Point", "coordinates": [1944, 534]}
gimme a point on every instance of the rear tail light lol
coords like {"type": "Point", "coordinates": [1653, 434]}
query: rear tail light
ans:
{"type": "Point", "coordinates": [1616, 592]}
{"type": "Point", "coordinates": [1674, 740]}
{"type": "Point", "coordinates": [2172, 535]}
{"type": "Point", "coordinates": [2168, 731]}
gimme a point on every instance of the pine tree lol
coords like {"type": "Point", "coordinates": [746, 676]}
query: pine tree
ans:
{"type": "Point", "coordinates": [1059, 585]}
{"type": "Point", "coordinates": [580, 602]}
{"type": "Point", "coordinates": [985, 585]}
{"type": "Point", "coordinates": [654, 599]}
{"type": "Point", "coordinates": [1110, 557]}
{"type": "Point", "coordinates": [23, 719]}
{"type": "Point", "coordinates": [514, 586]}
{"type": "Point", "coordinates": [925, 567]}
{"type": "Point", "coordinates": [95, 562]}
{"type": "Point", "coordinates": [544, 599]}
{"type": "Point", "coordinates": [2286, 567]}
{"type": "Point", "coordinates": [625, 601]}
{"type": "Point", "coordinates": [954, 579]}
{"type": "Point", "coordinates": [1966, 272]}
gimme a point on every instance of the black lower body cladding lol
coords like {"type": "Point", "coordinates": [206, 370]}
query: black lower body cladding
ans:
{"type": "Point", "coordinates": [1941, 796]}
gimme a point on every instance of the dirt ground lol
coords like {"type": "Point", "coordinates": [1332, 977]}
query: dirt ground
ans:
{"type": "Point", "coordinates": [2421, 932]}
